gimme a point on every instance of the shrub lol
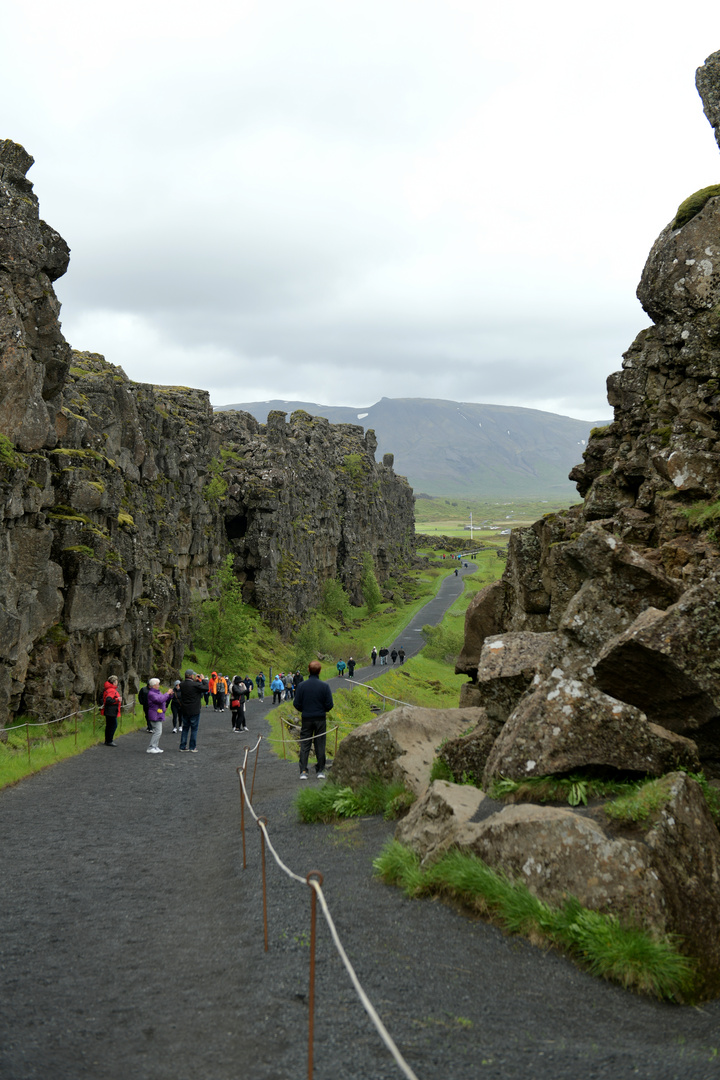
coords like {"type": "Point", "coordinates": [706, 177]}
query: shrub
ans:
{"type": "Point", "coordinates": [335, 601]}
{"type": "Point", "coordinates": [369, 585]}
{"type": "Point", "coordinates": [330, 802]}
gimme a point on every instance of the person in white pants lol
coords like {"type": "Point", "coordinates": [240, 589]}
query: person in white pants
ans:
{"type": "Point", "coordinates": [157, 703]}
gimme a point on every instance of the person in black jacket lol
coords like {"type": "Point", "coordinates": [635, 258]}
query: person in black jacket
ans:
{"type": "Point", "coordinates": [313, 700]}
{"type": "Point", "coordinates": [192, 689]}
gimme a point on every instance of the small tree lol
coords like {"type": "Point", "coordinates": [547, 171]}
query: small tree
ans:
{"type": "Point", "coordinates": [312, 639]}
{"type": "Point", "coordinates": [369, 586]}
{"type": "Point", "coordinates": [222, 624]}
{"type": "Point", "coordinates": [335, 601]}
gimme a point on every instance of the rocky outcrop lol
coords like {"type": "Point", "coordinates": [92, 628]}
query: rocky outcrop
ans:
{"type": "Point", "coordinates": [661, 872]}
{"type": "Point", "coordinates": [118, 500]}
{"type": "Point", "coordinates": [619, 594]}
{"type": "Point", "coordinates": [598, 652]}
{"type": "Point", "coordinates": [399, 746]}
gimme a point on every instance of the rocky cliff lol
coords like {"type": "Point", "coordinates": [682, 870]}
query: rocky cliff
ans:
{"type": "Point", "coordinates": [118, 499]}
{"type": "Point", "coordinates": [599, 650]}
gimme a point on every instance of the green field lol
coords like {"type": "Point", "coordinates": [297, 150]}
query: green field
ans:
{"type": "Point", "coordinates": [491, 519]}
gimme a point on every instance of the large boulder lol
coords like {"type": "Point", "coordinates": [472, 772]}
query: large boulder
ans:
{"type": "Point", "coordinates": [507, 667]}
{"type": "Point", "coordinates": [684, 846]}
{"type": "Point", "coordinates": [558, 853]}
{"type": "Point", "coordinates": [400, 745]}
{"type": "Point", "coordinates": [467, 756]}
{"type": "Point", "coordinates": [667, 663]}
{"type": "Point", "coordinates": [567, 724]}
{"type": "Point", "coordinates": [661, 872]}
{"type": "Point", "coordinates": [433, 821]}
{"type": "Point", "coordinates": [483, 617]}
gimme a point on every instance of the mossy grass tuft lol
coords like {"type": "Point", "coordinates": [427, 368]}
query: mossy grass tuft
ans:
{"type": "Point", "coordinates": [647, 798]}
{"type": "Point", "coordinates": [331, 802]}
{"type": "Point", "coordinates": [701, 514]}
{"type": "Point", "coordinates": [687, 210]}
{"type": "Point", "coordinates": [600, 943]}
{"type": "Point", "coordinates": [639, 804]}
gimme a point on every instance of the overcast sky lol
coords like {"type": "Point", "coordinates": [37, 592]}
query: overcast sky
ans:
{"type": "Point", "coordinates": [339, 200]}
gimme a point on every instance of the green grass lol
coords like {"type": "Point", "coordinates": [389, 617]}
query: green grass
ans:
{"type": "Point", "coordinates": [449, 515]}
{"type": "Point", "coordinates": [600, 943]}
{"type": "Point", "coordinates": [422, 681]}
{"type": "Point", "coordinates": [573, 789]}
{"type": "Point", "coordinates": [639, 804]}
{"type": "Point", "coordinates": [646, 798]}
{"type": "Point", "coordinates": [701, 514]}
{"type": "Point", "coordinates": [331, 802]}
{"type": "Point", "coordinates": [14, 764]}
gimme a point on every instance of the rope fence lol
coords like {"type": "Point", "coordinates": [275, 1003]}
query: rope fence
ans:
{"type": "Point", "coordinates": [94, 709]}
{"type": "Point", "coordinates": [314, 881]}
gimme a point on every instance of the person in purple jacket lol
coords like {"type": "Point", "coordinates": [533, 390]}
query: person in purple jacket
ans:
{"type": "Point", "coordinates": [157, 703]}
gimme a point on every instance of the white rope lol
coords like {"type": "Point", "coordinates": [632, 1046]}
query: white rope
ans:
{"type": "Point", "coordinates": [290, 873]}
{"type": "Point", "coordinates": [367, 1004]}
{"type": "Point", "coordinates": [58, 719]}
{"type": "Point", "coordinates": [385, 697]}
{"type": "Point", "coordinates": [381, 1029]}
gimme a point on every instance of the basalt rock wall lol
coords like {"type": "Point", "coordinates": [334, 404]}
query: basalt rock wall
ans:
{"type": "Point", "coordinates": [118, 500]}
{"type": "Point", "coordinates": [598, 652]}
{"type": "Point", "coordinates": [614, 603]}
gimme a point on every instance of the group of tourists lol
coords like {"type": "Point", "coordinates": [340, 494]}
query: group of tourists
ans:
{"type": "Point", "coordinates": [311, 697]}
{"type": "Point", "coordinates": [185, 700]}
{"type": "Point", "coordinates": [284, 686]}
{"type": "Point", "coordinates": [394, 654]}
{"type": "Point", "coordinates": [222, 691]}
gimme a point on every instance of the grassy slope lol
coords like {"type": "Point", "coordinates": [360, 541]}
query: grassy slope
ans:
{"type": "Point", "coordinates": [46, 750]}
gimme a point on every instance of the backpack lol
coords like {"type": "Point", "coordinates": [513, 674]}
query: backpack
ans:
{"type": "Point", "coordinates": [143, 696]}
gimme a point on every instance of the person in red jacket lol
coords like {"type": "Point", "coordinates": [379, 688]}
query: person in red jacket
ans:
{"type": "Point", "coordinates": [111, 708]}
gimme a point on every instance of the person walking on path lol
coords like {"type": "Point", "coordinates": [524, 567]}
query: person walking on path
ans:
{"type": "Point", "coordinates": [157, 703]}
{"type": "Point", "coordinates": [260, 683]}
{"type": "Point", "coordinates": [143, 699]}
{"type": "Point", "coordinates": [212, 688]}
{"type": "Point", "coordinates": [383, 656]}
{"type": "Point", "coordinates": [401, 654]}
{"type": "Point", "coordinates": [289, 686]}
{"type": "Point", "coordinates": [313, 700]}
{"type": "Point", "coordinates": [341, 665]}
{"type": "Point", "coordinates": [238, 693]}
{"type": "Point", "coordinates": [351, 668]}
{"type": "Point", "coordinates": [111, 709]}
{"type": "Point", "coordinates": [222, 689]}
{"type": "Point", "coordinates": [394, 656]}
{"type": "Point", "coordinates": [192, 689]}
{"type": "Point", "coordinates": [175, 708]}
{"type": "Point", "coordinates": [373, 655]}
{"type": "Point", "coordinates": [277, 686]}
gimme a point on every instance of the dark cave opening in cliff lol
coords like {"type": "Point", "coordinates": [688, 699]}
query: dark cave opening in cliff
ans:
{"type": "Point", "coordinates": [236, 527]}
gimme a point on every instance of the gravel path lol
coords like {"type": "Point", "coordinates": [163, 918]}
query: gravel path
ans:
{"type": "Point", "coordinates": [132, 944]}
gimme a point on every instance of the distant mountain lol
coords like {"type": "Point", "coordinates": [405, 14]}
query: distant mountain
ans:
{"type": "Point", "coordinates": [461, 448]}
